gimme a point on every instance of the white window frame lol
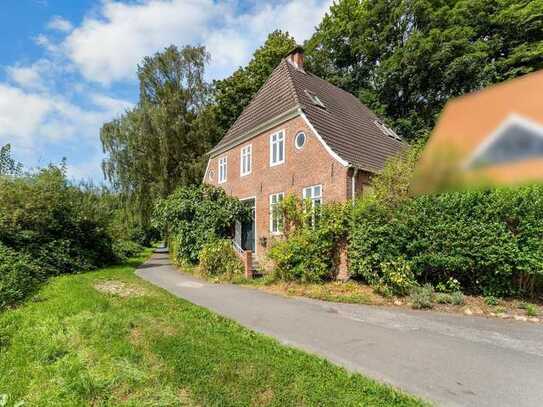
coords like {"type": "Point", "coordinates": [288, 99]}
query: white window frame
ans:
{"type": "Point", "coordinates": [246, 157]}
{"type": "Point", "coordinates": [223, 170]}
{"type": "Point", "coordinates": [282, 141]}
{"type": "Point", "coordinates": [308, 193]}
{"type": "Point", "coordinates": [300, 133]}
{"type": "Point", "coordinates": [276, 229]}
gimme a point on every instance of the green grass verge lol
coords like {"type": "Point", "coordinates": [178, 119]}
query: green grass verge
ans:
{"type": "Point", "coordinates": [73, 345]}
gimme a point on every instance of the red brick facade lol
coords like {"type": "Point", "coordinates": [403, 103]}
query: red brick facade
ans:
{"type": "Point", "coordinates": [308, 166]}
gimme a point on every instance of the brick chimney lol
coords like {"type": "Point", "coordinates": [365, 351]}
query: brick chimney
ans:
{"type": "Point", "coordinates": [296, 57]}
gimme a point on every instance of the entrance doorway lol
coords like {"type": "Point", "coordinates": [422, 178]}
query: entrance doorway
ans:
{"type": "Point", "coordinates": [247, 229]}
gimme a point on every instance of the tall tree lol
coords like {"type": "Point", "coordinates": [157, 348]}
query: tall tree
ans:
{"type": "Point", "coordinates": [160, 144]}
{"type": "Point", "coordinates": [406, 58]}
{"type": "Point", "coordinates": [8, 165]}
{"type": "Point", "coordinates": [234, 93]}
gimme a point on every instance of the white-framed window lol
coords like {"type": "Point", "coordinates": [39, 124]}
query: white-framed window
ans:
{"type": "Point", "coordinates": [245, 160]}
{"type": "Point", "coordinates": [299, 140]}
{"type": "Point", "coordinates": [277, 148]}
{"type": "Point", "coordinates": [223, 169]}
{"type": "Point", "coordinates": [276, 219]}
{"type": "Point", "coordinates": [314, 194]}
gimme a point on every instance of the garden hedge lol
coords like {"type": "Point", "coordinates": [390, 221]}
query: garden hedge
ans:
{"type": "Point", "coordinates": [489, 240]}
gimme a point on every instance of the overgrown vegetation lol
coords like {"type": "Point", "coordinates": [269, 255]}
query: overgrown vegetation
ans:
{"type": "Point", "coordinates": [144, 347]}
{"type": "Point", "coordinates": [194, 216]}
{"type": "Point", "coordinates": [313, 239]}
{"type": "Point", "coordinates": [50, 227]}
{"type": "Point", "coordinates": [488, 240]}
{"type": "Point", "coordinates": [217, 258]}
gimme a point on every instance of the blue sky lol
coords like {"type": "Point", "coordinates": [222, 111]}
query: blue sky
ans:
{"type": "Point", "coordinates": [68, 66]}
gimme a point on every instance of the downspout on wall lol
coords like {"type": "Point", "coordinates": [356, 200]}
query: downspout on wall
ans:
{"type": "Point", "coordinates": [353, 184]}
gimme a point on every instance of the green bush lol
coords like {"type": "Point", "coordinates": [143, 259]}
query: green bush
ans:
{"type": "Point", "coordinates": [19, 276]}
{"type": "Point", "coordinates": [397, 276]}
{"type": "Point", "coordinates": [422, 297]}
{"type": "Point", "coordinates": [443, 298]}
{"type": "Point", "coordinates": [60, 227]}
{"type": "Point", "coordinates": [450, 286]}
{"type": "Point", "coordinates": [488, 240]}
{"type": "Point", "coordinates": [532, 310]}
{"type": "Point", "coordinates": [491, 300]}
{"type": "Point", "coordinates": [194, 216]}
{"type": "Point", "coordinates": [125, 249]}
{"type": "Point", "coordinates": [457, 298]}
{"type": "Point", "coordinates": [309, 250]}
{"type": "Point", "coordinates": [218, 258]}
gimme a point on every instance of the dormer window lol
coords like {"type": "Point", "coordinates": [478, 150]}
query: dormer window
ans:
{"type": "Point", "coordinates": [315, 99]}
{"type": "Point", "coordinates": [387, 130]}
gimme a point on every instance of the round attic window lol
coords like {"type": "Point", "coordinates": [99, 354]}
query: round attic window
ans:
{"type": "Point", "coordinates": [210, 174]}
{"type": "Point", "coordinates": [299, 140]}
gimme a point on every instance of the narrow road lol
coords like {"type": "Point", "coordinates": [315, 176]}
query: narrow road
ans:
{"type": "Point", "coordinates": [453, 360]}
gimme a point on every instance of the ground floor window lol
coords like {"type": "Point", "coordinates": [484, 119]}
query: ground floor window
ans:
{"type": "Point", "coordinates": [313, 194]}
{"type": "Point", "coordinates": [276, 219]}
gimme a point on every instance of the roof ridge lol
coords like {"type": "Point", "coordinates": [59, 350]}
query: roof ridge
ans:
{"type": "Point", "coordinates": [291, 81]}
{"type": "Point", "coordinates": [260, 90]}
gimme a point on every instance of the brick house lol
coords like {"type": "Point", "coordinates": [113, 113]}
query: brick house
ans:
{"type": "Point", "coordinates": [299, 135]}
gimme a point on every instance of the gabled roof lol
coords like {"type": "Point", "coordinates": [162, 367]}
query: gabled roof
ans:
{"type": "Point", "coordinates": [346, 126]}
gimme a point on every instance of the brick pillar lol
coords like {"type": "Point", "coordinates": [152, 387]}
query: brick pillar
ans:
{"type": "Point", "coordinates": [343, 264]}
{"type": "Point", "coordinates": [248, 264]}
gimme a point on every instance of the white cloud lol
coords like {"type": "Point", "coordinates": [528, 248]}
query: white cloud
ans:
{"type": "Point", "coordinates": [107, 47]}
{"type": "Point", "coordinates": [47, 44]}
{"type": "Point", "coordinates": [28, 119]}
{"type": "Point", "coordinates": [21, 114]}
{"type": "Point", "coordinates": [32, 76]}
{"type": "Point", "coordinates": [27, 77]}
{"type": "Point", "coordinates": [60, 24]}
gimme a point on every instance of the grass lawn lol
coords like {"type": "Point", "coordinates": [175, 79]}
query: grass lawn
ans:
{"type": "Point", "coordinates": [109, 338]}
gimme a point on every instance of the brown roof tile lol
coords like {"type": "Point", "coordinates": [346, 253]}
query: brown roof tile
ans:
{"type": "Point", "coordinates": [345, 124]}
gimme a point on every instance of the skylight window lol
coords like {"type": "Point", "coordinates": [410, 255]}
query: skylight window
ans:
{"type": "Point", "coordinates": [387, 130]}
{"type": "Point", "coordinates": [315, 99]}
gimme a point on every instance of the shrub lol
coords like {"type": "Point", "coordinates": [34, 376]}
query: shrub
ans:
{"type": "Point", "coordinates": [54, 227]}
{"type": "Point", "coordinates": [195, 216]}
{"type": "Point", "coordinates": [532, 310]}
{"type": "Point", "coordinates": [489, 241]}
{"type": "Point", "coordinates": [125, 249]}
{"type": "Point", "coordinates": [19, 276]}
{"type": "Point", "coordinates": [491, 300]}
{"type": "Point", "coordinates": [450, 286]}
{"type": "Point", "coordinates": [397, 276]}
{"type": "Point", "coordinates": [218, 258]}
{"type": "Point", "coordinates": [309, 251]}
{"type": "Point", "coordinates": [422, 297]}
{"type": "Point", "coordinates": [443, 298]}
{"type": "Point", "coordinates": [457, 298]}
